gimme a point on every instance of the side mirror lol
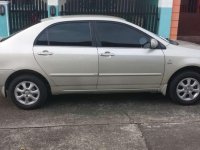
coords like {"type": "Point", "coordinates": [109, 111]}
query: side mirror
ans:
{"type": "Point", "coordinates": [154, 43]}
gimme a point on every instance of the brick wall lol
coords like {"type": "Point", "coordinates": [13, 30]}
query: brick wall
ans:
{"type": "Point", "coordinates": [175, 19]}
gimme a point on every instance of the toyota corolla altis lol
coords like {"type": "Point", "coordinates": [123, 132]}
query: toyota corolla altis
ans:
{"type": "Point", "coordinates": [76, 54]}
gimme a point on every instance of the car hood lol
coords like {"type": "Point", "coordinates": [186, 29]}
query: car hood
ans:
{"type": "Point", "coordinates": [184, 50]}
{"type": "Point", "coordinates": [189, 45]}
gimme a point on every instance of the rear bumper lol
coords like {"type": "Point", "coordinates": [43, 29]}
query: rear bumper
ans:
{"type": "Point", "coordinates": [3, 92]}
{"type": "Point", "coordinates": [4, 74]}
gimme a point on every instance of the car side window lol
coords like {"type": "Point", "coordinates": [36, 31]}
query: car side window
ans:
{"type": "Point", "coordinates": [66, 34]}
{"type": "Point", "coordinates": [112, 34]}
{"type": "Point", "coordinates": [42, 39]}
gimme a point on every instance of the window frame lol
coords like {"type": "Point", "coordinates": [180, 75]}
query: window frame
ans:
{"type": "Point", "coordinates": [93, 43]}
{"type": "Point", "coordinates": [98, 42]}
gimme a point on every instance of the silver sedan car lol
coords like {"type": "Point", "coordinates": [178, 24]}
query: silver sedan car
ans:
{"type": "Point", "coordinates": [84, 54]}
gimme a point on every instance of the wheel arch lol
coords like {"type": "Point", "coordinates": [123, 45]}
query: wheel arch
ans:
{"type": "Point", "coordinates": [27, 72]}
{"type": "Point", "coordinates": [186, 68]}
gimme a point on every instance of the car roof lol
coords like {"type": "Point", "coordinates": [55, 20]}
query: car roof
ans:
{"type": "Point", "coordinates": [83, 17]}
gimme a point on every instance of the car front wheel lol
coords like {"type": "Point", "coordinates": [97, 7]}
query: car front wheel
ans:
{"type": "Point", "coordinates": [28, 92]}
{"type": "Point", "coordinates": [185, 88]}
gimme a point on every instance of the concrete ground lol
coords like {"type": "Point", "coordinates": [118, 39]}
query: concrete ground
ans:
{"type": "Point", "coordinates": [103, 121]}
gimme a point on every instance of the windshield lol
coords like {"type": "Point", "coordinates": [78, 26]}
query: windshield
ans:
{"type": "Point", "coordinates": [167, 40]}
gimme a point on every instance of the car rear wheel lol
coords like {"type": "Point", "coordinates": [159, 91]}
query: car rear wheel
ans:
{"type": "Point", "coordinates": [27, 92]}
{"type": "Point", "coordinates": [185, 88]}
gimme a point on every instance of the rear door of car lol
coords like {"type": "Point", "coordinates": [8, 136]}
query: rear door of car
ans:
{"type": "Point", "coordinates": [66, 52]}
{"type": "Point", "coordinates": [125, 58]}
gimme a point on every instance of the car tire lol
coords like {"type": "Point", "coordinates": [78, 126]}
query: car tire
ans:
{"type": "Point", "coordinates": [28, 92]}
{"type": "Point", "coordinates": [185, 88]}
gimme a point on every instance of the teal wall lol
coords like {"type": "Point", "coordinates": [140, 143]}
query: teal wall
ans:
{"type": "Point", "coordinates": [4, 24]}
{"type": "Point", "coordinates": [165, 13]}
{"type": "Point", "coordinates": [165, 22]}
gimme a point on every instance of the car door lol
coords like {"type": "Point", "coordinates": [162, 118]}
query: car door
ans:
{"type": "Point", "coordinates": [66, 53]}
{"type": "Point", "coordinates": [125, 58]}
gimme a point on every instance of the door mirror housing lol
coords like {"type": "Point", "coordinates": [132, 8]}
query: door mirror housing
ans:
{"type": "Point", "coordinates": [154, 43]}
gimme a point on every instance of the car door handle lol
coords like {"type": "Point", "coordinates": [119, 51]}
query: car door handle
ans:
{"type": "Point", "coordinates": [107, 54]}
{"type": "Point", "coordinates": [45, 53]}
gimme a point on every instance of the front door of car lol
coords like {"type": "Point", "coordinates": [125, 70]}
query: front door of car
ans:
{"type": "Point", "coordinates": [125, 58]}
{"type": "Point", "coordinates": [66, 53]}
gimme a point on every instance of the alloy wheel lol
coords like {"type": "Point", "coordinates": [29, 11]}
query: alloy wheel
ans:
{"type": "Point", "coordinates": [27, 93]}
{"type": "Point", "coordinates": [188, 89]}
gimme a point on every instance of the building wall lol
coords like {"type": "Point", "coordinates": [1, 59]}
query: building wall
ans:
{"type": "Point", "coordinates": [175, 19]}
{"type": "Point", "coordinates": [189, 21]}
{"type": "Point", "coordinates": [164, 9]}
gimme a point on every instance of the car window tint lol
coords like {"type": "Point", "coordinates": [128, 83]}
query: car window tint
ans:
{"type": "Point", "coordinates": [70, 34]}
{"type": "Point", "coordinates": [42, 39]}
{"type": "Point", "coordinates": [111, 34]}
